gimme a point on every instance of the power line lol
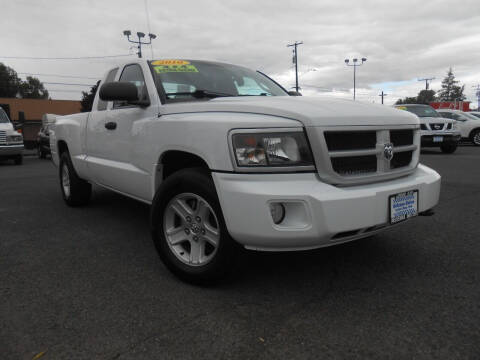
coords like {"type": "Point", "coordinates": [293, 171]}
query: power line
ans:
{"type": "Point", "coordinates": [295, 61]}
{"type": "Point", "coordinates": [61, 76]}
{"type": "Point", "coordinates": [63, 58]}
{"type": "Point", "coordinates": [67, 84]}
{"type": "Point", "coordinates": [426, 81]}
{"type": "Point", "coordinates": [382, 95]}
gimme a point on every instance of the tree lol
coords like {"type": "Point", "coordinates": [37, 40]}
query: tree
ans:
{"type": "Point", "coordinates": [32, 89]}
{"type": "Point", "coordinates": [423, 97]}
{"type": "Point", "coordinates": [407, 100]}
{"type": "Point", "coordinates": [12, 86]}
{"type": "Point", "coordinates": [450, 90]}
{"type": "Point", "coordinates": [426, 97]}
{"type": "Point", "coordinates": [87, 98]}
{"type": "Point", "coordinates": [9, 82]}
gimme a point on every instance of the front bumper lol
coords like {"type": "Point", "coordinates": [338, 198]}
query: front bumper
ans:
{"type": "Point", "coordinates": [317, 214]}
{"type": "Point", "coordinates": [450, 138]}
{"type": "Point", "coordinates": [11, 150]}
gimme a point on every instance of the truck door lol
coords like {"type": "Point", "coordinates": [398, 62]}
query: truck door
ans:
{"type": "Point", "coordinates": [114, 161]}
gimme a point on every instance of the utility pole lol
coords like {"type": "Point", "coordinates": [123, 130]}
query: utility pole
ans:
{"type": "Point", "coordinates": [382, 95]}
{"type": "Point", "coordinates": [295, 61]}
{"type": "Point", "coordinates": [139, 42]}
{"type": "Point", "coordinates": [354, 64]}
{"type": "Point", "coordinates": [426, 81]}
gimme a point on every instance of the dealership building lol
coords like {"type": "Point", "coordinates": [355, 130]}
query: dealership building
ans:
{"type": "Point", "coordinates": [26, 114]}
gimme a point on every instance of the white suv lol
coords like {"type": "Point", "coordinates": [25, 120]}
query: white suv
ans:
{"type": "Point", "coordinates": [434, 130]}
{"type": "Point", "coordinates": [468, 124]}
{"type": "Point", "coordinates": [11, 141]}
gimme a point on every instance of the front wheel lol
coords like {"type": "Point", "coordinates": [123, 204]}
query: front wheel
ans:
{"type": "Point", "coordinates": [75, 191]}
{"type": "Point", "coordinates": [475, 137]}
{"type": "Point", "coordinates": [188, 228]}
{"type": "Point", "coordinates": [448, 149]}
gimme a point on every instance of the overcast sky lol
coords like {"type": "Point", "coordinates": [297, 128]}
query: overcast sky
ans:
{"type": "Point", "coordinates": [402, 40]}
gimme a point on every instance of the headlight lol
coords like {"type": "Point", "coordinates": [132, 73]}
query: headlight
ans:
{"type": "Point", "coordinates": [272, 149]}
{"type": "Point", "coordinates": [14, 138]}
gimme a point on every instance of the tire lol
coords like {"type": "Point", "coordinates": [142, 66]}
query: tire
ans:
{"type": "Point", "coordinates": [176, 206]}
{"type": "Point", "coordinates": [18, 160]}
{"type": "Point", "coordinates": [75, 191]}
{"type": "Point", "coordinates": [40, 153]}
{"type": "Point", "coordinates": [448, 149]}
{"type": "Point", "coordinates": [475, 137]}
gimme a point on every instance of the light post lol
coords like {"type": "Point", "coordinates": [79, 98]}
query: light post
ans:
{"type": "Point", "coordinates": [354, 64]}
{"type": "Point", "coordinates": [140, 35]}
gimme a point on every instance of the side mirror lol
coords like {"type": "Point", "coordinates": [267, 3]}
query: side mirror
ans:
{"type": "Point", "coordinates": [294, 93]}
{"type": "Point", "coordinates": [121, 91]}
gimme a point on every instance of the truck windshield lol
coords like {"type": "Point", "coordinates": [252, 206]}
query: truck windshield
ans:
{"type": "Point", "coordinates": [3, 117]}
{"type": "Point", "coordinates": [420, 111]}
{"type": "Point", "coordinates": [183, 80]}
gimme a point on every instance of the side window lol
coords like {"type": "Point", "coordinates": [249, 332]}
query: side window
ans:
{"type": "Point", "coordinates": [133, 73]}
{"type": "Point", "coordinates": [458, 117]}
{"type": "Point", "coordinates": [102, 105]}
{"type": "Point", "coordinates": [446, 115]}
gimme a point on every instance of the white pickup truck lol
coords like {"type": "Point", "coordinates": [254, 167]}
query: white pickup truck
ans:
{"type": "Point", "coordinates": [227, 157]}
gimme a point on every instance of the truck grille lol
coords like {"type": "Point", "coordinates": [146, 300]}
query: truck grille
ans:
{"type": "Point", "coordinates": [355, 155]}
{"type": "Point", "coordinates": [3, 137]}
{"type": "Point", "coordinates": [436, 126]}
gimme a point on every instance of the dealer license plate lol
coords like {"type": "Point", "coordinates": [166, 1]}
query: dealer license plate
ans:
{"type": "Point", "coordinates": [403, 206]}
{"type": "Point", "coordinates": [437, 138]}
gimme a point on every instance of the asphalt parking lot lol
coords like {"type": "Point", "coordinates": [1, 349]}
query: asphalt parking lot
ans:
{"type": "Point", "coordinates": [86, 283]}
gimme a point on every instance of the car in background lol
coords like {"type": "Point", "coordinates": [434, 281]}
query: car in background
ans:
{"type": "Point", "coordinates": [475, 113]}
{"type": "Point", "coordinates": [11, 141]}
{"type": "Point", "coordinates": [43, 142]}
{"type": "Point", "coordinates": [435, 131]}
{"type": "Point", "coordinates": [468, 124]}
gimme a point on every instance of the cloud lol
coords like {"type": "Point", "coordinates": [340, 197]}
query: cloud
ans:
{"type": "Point", "coordinates": [402, 41]}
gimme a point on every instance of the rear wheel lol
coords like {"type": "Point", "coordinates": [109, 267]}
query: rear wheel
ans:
{"type": "Point", "coordinates": [188, 228]}
{"type": "Point", "coordinates": [448, 149]}
{"type": "Point", "coordinates": [475, 137]}
{"type": "Point", "coordinates": [40, 153]}
{"type": "Point", "coordinates": [75, 190]}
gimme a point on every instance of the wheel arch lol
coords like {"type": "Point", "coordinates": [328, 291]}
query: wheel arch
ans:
{"type": "Point", "coordinates": [171, 161]}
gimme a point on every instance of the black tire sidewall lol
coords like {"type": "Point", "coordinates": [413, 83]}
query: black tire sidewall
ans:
{"type": "Point", "coordinates": [448, 149]}
{"type": "Point", "coordinates": [198, 182]}
{"type": "Point", "coordinates": [80, 190]}
{"type": "Point", "coordinates": [475, 132]}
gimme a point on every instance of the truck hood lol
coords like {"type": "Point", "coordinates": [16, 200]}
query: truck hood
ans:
{"type": "Point", "coordinates": [435, 120]}
{"type": "Point", "coordinates": [310, 111]}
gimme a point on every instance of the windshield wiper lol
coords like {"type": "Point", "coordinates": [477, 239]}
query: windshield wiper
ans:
{"type": "Point", "coordinates": [200, 94]}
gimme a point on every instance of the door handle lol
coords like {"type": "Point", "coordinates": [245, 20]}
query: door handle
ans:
{"type": "Point", "coordinates": [111, 125]}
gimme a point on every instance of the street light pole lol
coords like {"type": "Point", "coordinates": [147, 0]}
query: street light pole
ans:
{"type": "Point", "coordinates": [354, 64]}
{"type": "Point", "coordinates": [295, 61]}
{"type": "Point", "coordinates": [139, 42]}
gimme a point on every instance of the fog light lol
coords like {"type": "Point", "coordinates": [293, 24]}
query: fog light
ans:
{"type": "Point", "coordinates": [277, 210]}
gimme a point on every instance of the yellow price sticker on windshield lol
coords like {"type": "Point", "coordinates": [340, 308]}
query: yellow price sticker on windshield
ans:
{"type": "Point", "coordinates": [185, 68]}
{"type": "Point", "coordinates": [170, 62]}
{"type": "Point", "coordinates": [401, 107]}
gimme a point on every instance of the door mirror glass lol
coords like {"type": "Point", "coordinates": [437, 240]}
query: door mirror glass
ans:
{"type": "Point", "coordinates": [119, 91]}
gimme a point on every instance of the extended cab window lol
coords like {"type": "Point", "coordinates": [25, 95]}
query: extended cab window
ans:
{"type": "Point", "coordinates": [133, 73]}
{"type": "Point", "coordinates": [186, 80]}
{"type": "Point", "coordinates": [102, 105]}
